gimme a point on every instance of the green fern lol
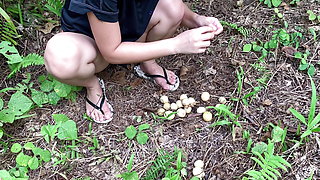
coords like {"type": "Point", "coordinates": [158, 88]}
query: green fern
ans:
{"type": "Point", "coordinates": [162, 163]}
{"type": "Point", "coordinates": [54, 6]}
{"type": "Point", "coordinates": [270, 164]}
{"type": "Point", "coordinates": [8, 31]}
{"type": "Point", "coordinates": [242, 30]}
{"type": "Point", "coordinates": [17, 62]}
{"type": "Point", "coordinates": [30, 60]}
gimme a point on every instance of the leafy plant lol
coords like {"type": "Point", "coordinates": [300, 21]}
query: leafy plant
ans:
{"type": "Point", "coordinates": [26, 162]}
{"type": "Point", "coordinates": [271, 3]}
{"type": "Point", "coordinates": [313, 16]}
{"type": "Point", "coordinates": [55, 90]}
{"type": "Point", "coordinates": [64, 129]}
{"type": "Point", "coordinates": [225, 116]}
{"type": "Point", "coordinates": [129, 175]}
{"type": "Point", "coordinates": [162, 167]}
{"type": "Point", "coordinates": [54, 6]}
{"type": "Point", "coordinates": [141, 137]}
{"type": "Point", "coordinates": [8, 29]}
{"type": "Point", "coordinates": [242, 30]}
{"type": "Point", "coordinates": [312, 122]}
{"type": "Point", "coordinates": [268, 162]}
{"type": "Point", "coordinates": [17, 62]}
{"type": "Point", "coordinates": [304, 65]}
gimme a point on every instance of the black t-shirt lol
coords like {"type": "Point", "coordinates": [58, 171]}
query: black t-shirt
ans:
{"type": "Point", "coordinates": [133, 15]}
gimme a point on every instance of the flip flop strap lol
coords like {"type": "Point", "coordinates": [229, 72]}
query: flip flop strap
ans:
{"type": "Point", "coordinates": [160, 76]}
{"type": "Point", "coordinates": [103, 94]}
{"type": "Point", "coordinates": [103, 98]}
{"type": "Point", "coordinates": [95, 106]}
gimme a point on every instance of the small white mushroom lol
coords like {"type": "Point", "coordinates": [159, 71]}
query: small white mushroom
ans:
{"type": "Point", "coordinates": [201, 110]}
{"type": "Point", "coordinates": [188, 109]}
{"type": "Point", "coordinates": [197, 171]}
{"type": "Point", "coordinates": [207, 116]}
{"type": "Point", "coordinates": [185, 102]}
{"type": "Point", "coordinates": [161, 111]}
{"type": "Point", "coordinates": [174, 106]}
{"type": "Point", "coordinates": [205, 96]}
{"type": "Point", "coordinates": [166, 106]}
{"type": "Point", "coordinates": [192, 101]}
{"type": "Point", "coordinates": [164, 99]}
{"type": "Point", "coordinates": [183, 96]}
{"type": "Point", "coordinates": [199, 163]}
{"type": "Point", "coordinates": [222, 100]}
{"type": "Point", "coordinates": [169, 115]}
{"type": "Point", "coordinates": [179, 103]}
{"type": "Point", "coordinates": [181, 113]}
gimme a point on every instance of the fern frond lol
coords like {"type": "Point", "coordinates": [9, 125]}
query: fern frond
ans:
{"type": "Point", "coordinates": [30, 60]}
{"type": "Point", "coordinates": [269, 164]}
{"type": "Point", "coordinates": [242, 30]}
{"type": "Point", "coordinates": [8, 30]}
{"type": "Point", "coordinates": [163, 162]}
{"type": "Point", "coordinates": [55, 6]}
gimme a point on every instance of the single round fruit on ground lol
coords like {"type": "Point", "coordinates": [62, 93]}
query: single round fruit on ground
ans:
{"type": "Point", "coordinates": [179, 103]}
{"type": "Point", "coordinates": [183, 96]}
{"type": "Point", "coordinates": [197, 171]}
{"type": "Point", "coordinates": [205, 96]}
{"type": "Point", "coordinates": [201, 110]}
{"type": "Point", "coordinates": [199, 163]}
{"type": "Point", "coordinates": [181, 113]}
{"type": "Point", "coordinates": [166, 106]}
{"type": "Point", "coordinates": [222, 100]}
{"type": "Point", "coordinates": [207, 116]}
{"type": "Point", "coordinates": [192, 101]}
{"type": "Point", "coordinates": [169, 115]}
{"type": "Point", "coordinates": [188, 109]}
{"type": "Point", "coordinates": [164, 99]}
{"type": "Point", "coordinates": [161, 111]}
{"type": "Point", "coordinates": [185, 102]}
{"type": "Point", "coordinates": [174, 106]}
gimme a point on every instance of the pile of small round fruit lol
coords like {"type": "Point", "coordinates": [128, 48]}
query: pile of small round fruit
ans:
{"type": "Point", "coordinates": [183, 106]}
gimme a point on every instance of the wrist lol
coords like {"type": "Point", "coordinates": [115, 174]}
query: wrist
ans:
{"type": "Point", "coordinates": [173, 46]}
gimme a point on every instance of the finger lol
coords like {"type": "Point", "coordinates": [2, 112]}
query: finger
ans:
{"type": "Point", "coordinates": [218, 31]}
{"type": "Point", "coordinates": [204, 29]}
{"type": "Point", "coordinates": [202, 50]}
{"type": "Point", "coordinates": [204, 44]}
{"type": "Point", "coordinates": [207, 36]}
{"type": "Point", "coordinates": [219, 28]}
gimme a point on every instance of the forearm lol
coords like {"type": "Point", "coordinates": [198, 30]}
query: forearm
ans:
{"type": "Point", "coordinates": [189, 18]}
{"type": "Point", "coordinates": [134, 52]}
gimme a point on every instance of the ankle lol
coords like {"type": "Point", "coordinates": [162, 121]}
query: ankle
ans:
{"type": "Point", "coordinates": [93, 84]}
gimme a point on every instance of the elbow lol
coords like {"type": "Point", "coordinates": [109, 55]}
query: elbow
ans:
{"type": "Point", "coordinates": [111, 59]}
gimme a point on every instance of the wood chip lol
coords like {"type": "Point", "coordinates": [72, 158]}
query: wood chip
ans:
{"type": "Point", "coordinates": [267, 102]}
{"type": "Point", "coordinates": [289, 51]}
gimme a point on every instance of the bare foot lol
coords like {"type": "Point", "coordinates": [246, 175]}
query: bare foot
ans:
{"type": "Point", "coordinates": [95, 95]}
{"type": "Point", "coordinates": [153, 68]}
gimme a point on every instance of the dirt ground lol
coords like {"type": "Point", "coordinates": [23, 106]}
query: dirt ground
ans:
{"type": "Point", "coordinates": [214, 72]}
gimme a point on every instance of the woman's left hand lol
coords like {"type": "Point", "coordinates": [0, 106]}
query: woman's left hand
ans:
{"type": "Point", "coordinates": [210, 21]}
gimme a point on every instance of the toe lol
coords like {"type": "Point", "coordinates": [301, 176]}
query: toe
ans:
{"type": "Point", "coordinates": [172, 77]}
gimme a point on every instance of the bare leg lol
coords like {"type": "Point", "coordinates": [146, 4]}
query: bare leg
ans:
{"type": "Point", "coordinates": [164, 22]}
{"type": "Point", "coordinates": [74, 59]}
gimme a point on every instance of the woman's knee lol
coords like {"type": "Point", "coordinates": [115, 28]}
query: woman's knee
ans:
{"type": "Point", "coordinates": [62, 57]}
{"type": "Point", "coordinates": [173, 10]}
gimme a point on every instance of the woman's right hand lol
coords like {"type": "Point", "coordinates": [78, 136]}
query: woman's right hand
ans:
{"type": "Point", "coordinates": [194, 41]}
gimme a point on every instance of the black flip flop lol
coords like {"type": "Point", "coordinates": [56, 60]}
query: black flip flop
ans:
{"type": "Point", "coordinates": [103, 100]}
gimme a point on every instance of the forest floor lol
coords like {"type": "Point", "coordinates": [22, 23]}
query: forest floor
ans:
{"type": "Point", "coordinates": [281, 86]}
